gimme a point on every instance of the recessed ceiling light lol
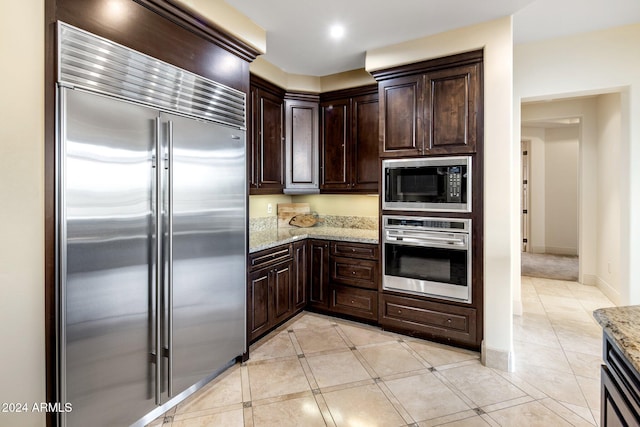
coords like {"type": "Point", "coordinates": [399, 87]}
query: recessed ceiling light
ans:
{"type": "Point", "coordinates": [336, 31]}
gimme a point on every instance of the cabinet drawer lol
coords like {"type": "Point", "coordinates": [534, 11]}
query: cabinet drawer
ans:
{"type": "Point", "coordinates": [353, 301]}
{"type": "Point", "coordinates": [355, 272]}
{"type": "Point", "coordinates": [270, 256]}
{"type": "Point", "coordinates": [355, 250]}
{"type": "Point", "coordinates": [438, 321]}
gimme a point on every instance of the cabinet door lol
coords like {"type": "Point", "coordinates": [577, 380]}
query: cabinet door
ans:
{"type": "Point", "coordinates": [300, 275]}
{"type": "Point", "coordinates": [452, 102]}
{"type": "Point", "coordinates": [318, 273]}
{"type": "Point", "coordinates": [268, 133]}
{"type": "Point", "coordinates": [401, 116]}
{"type": "Point", "coordinates": [281, 297]}
{"type": "Point", "coordinates": [335, 127]}
{"type": "Point", "coordinates": [364, 136]}
{"type": "Point", "coordinates": [301, 145]}
{"type": "Point", "coordinates": [258, 299]}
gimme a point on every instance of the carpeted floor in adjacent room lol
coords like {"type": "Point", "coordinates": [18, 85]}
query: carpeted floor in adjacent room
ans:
{"type": "Point", "coordinates": [549, 266]}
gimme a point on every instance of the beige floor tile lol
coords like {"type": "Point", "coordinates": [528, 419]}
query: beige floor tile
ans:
{"type": "Point", "coordinates": [527, 328]}
{"type": "Point", "coordinates": [426, 397]}
{"type": "Point", "coordinates": [317, 340]}
{"type": "Point", "coordinates": [531, 414]}
{"type": "Point", "coordinates": [336, 368]}
{"type": "Point", "coordinates": [223, 391]}
{"type": "Point", "coordinates": [474, 421]}
{"type": "Point", "coordinates": [361, 336]}
{"type": "Point", "coordinates": [232, 418]}
{"type": "Point", "coordinates": [573, 415]}
{"type": "Point", "coordinates": [279, 345]}
{"type": "Point", "coordinates": [277, 378]}
{"type": "Point", "coordinates": [585, 365]}
{"type": "Point", "coordinates": [438, 355]}
{"type": "Point", "coordinates": [390, 359]}
{"type": "Point", "coordinates": [308, 320]}
{"type": "Point", "coordinates": [530, 355]}
{"type": "Point", "coordinates": [362, 406]}
{"type": "Point", "coordinates": [288, 413]}
{"type": "Point", "coordinates": [558, 385]}
{"type": "Point", "coordinates": [591, 390]}
{"type": "Point", "coordinates": [482, 385]}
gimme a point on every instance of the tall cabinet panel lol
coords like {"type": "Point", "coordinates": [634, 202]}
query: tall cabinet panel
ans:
{"type": "Point", "coordinates": [335, 127]}
{"type": "Point", "coordinates": [106, 241]}
{"type": "Point", "coordinates": [267, 138]}
{"type": "Point", "coordinates": [365, 137]}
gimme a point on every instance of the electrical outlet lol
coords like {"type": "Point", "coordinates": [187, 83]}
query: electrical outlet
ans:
{"type": "Point", "coordinates": [269, 208]}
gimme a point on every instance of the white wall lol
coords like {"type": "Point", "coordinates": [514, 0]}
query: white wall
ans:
{"type": "Point", "coordinates": [501, 196]}
{"type": "Point", "coordinates": [553, 189]}
{"type": "Point", "coordinates": [22, 358]}
{"type": "Point", "coordinates": [594, 63]}
{"type": "Point", "coordinates": [561, 190]}
{"type": "Point", "coordinates": [608, 213]}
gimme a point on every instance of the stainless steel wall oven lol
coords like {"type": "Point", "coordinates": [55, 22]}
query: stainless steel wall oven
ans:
{"type": "Point", "coordinates": [427, 256]}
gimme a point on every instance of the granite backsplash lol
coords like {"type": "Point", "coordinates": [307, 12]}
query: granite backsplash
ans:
{"type": "Point", "coordinates": [335, 221]}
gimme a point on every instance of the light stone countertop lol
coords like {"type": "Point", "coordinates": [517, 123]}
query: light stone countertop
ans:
{"type": "Point", "coordinates": [266, 239]}
{"type": "Point", "coordinates": [622, 324]}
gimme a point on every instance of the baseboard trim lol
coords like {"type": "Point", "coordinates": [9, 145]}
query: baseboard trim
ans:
{"type": "Point", "coordinates": [497, 359]}
{"type": "Point", "coordinates": [517, 307]}
{"type": "Point", "coordinates": [589, 280]}
{"type": "Point", "coordinates": [608, 290]}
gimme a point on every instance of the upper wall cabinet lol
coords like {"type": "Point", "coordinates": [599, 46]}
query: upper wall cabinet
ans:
{"type": "Point", "coordinates": [432, 107]}
{"type": "Point", "coordinates": [301, 143]}
{"type": "Point", "coordinates": [266, 147]}
{"type": "Point", "coordinates": [349, 148]}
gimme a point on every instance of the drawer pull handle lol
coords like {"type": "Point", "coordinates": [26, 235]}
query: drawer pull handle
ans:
{"type": "Point", "coordinates": [448, 320]}
{"type": "Point", "coordinates": [353, 302]}
{"type": "Point", "coordinates": [353, 272]}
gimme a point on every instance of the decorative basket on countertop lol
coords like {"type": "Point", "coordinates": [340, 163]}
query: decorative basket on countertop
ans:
{"type": "Point", "coordinates": [305, 220]}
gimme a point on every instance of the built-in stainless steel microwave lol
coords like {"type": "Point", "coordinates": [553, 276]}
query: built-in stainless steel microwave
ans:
{"type": "Point", "coordinates": [436, 184]}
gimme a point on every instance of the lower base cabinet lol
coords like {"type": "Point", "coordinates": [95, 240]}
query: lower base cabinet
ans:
{"type": "Point", "coordinates": [269, 293]}
{"type": "Point", "coordinates": [341, 278]}
{"type": "Point", "coordinates": [620, 389]}
{"type": "Point", "coordinates": [449, 324]}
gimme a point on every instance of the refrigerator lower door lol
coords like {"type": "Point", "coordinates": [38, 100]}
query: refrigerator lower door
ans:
{"type": "Point", "coordinates": [206, 290]}
{"type": "Point", "coordinates": [106, 236]}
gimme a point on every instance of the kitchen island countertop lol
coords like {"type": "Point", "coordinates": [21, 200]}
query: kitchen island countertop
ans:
{"type": "Point", "coordinates": [266, 239]}
{"type": "Point", "coordinates": [621, 324]}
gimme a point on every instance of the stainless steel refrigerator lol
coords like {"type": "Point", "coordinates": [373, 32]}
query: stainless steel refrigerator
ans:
{"type": "Point", "coordinates": [152, 249]}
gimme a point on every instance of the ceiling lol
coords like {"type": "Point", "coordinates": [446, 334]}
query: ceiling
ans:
{"type": "Point", "coordinates": [298, 40]}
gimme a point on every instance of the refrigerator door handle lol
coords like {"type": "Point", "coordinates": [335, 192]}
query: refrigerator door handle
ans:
{"type": "Point", "coordinates": [158, 272]}
{"type": "Point", "coordinates": [170, 260]}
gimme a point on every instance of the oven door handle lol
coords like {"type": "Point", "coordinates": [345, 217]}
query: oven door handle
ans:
{"type": "Point", "coordinates": [427, 241]}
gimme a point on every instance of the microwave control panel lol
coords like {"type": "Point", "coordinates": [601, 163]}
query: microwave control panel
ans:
{"type": "Point", "coordinates": [454, 185]}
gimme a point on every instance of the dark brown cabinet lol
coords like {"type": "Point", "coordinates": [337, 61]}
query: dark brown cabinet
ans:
{"type": "Point", "coordinates": [300, 274]}
{"type": "Point", "coordinates": [620, 388]}
{"type": "Point", "coordinates": [353, 283]}
{"type": "Point", "coordinates": [433, 107]}
{"type": "Point", "coordinates": [269, 294]}
{"type": "Point", "coordinates": [318, 274]}
{"type": "Point", "coordinates": [349, 140]}
{"type": "Point", "coordinates": [266, 138]}
{"type": "Point", "coordinates": [343, 279]}
{"type": "Point", "coordinates": [450, 324]}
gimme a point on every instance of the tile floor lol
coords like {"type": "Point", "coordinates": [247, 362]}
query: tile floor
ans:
{"type": "Point", "coordinates": [322, 371]}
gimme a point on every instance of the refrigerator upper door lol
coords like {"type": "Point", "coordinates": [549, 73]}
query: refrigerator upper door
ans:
{"type": "Point", "coordinates": [208, 180]}
{"type": "Point", "coordinates": [106, 245]}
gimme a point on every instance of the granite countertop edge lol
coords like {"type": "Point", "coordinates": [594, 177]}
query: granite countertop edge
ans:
{"type": "Point", "coordinates": [621, 324]}
{"type": "Point", "coordinates": [261, 240]}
